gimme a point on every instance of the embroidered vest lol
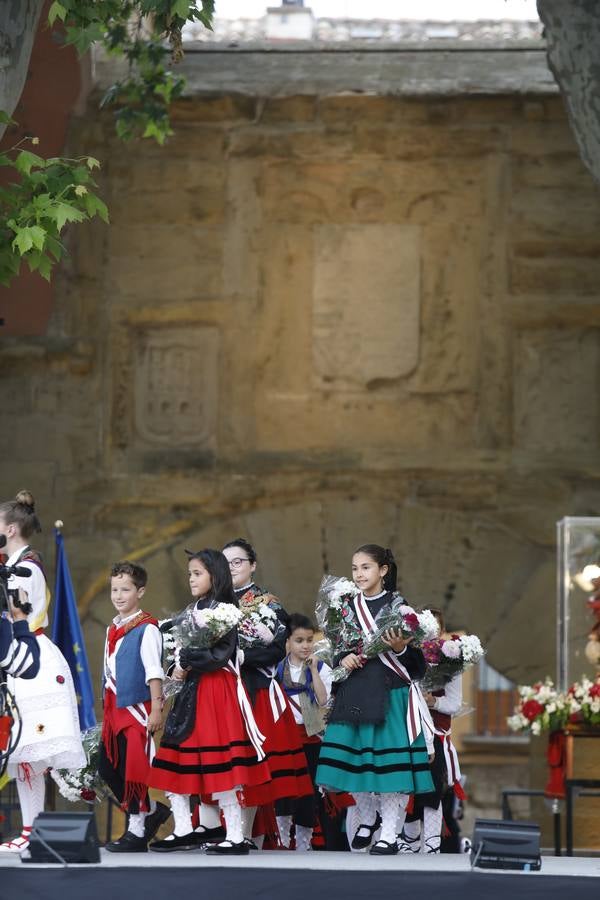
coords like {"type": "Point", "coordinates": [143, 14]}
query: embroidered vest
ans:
{"type": "Point", "coordinates": [129, 670]}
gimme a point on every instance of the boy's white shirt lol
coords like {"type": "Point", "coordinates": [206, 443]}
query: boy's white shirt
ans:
{"type": "Point", "coordinates": [451, 702]}
{"type": "Point", "coordinates": [326, 674]}
{"type": "Point", "coordinates": [150, 651]}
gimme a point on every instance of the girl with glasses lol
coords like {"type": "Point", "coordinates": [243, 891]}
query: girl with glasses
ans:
{"type": "Point", "coordinates": [272, 711]}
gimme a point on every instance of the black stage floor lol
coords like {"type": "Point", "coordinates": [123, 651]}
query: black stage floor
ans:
{"type": "Point", "coordinates": [291, 876]}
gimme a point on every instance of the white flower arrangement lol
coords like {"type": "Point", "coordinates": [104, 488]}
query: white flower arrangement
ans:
{"type": "Point", "coordinates": [342, 589]}
{"type": "Point", "coordinates": [472, 651]}
{"type": "Point", "coordinates": [428, 625]}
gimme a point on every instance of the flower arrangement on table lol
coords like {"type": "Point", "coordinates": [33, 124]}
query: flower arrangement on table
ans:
{"type": "Point", "coordinates": [197, 629]}
{"type": "Point", "coordinates": [342, 631]}
{"type": "Point", "coordinates": [542, 707]}
{"type": "Point", "coordinates": [448, 657]}
{"type": "Point", "coordinates": [83, 784]}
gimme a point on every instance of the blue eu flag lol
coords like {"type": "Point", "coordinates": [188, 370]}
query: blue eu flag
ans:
{"type": "Point", "coordinates": [67, 635]}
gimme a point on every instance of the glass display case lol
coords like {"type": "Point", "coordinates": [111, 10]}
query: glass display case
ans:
{"type": "Point", "coordinates": [578, 612]}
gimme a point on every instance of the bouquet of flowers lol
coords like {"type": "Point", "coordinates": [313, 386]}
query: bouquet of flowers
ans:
{"type": "Point", "coordinates": [197, 629]}
{"type": "Point", "coordinates": [258, 625]}
{"type": "Point", "coordinates": [83, 784]}
{"type": "Point", "coordinates": [583, 701]}
{"type": "Point", "coordinates": [337, 619]}
{"type": "Point", "coordinates": [541, 708]}
{"type": "Point", "coordinates": [447, 658]}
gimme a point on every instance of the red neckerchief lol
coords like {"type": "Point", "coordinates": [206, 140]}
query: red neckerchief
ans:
{"type": "Point", "coordinates": [116, 632]}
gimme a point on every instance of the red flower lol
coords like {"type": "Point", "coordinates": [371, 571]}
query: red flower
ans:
{"type": "Point", "coordinates": [595, 690]}
{"type": "Point", "coordinates": [410, 621]}
{"type": "Point", "coordinates": [87, 794]}
{"type": "Point", "coordinates": [532, 709]}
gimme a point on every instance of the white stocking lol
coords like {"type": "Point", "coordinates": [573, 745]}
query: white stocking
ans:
{"type": "Point", "coordinates": [232, 812]}
{"type": "Point", "coordinates": [401, 812]}
{"type": "Point", "coordinates": [248, 816]}
{"type": "Point", "coordinates": [303, 837]}
{"type": "Point", "coordinates": [136, 824]}
{"type": "Point", "coordinates": [284, 824]}
{"type": "Point", "coordinates": [390, 809]}
{"type": "Point", "coordinates": [180, 807]}
{"type": "Point", "coordinates": [210, 816]}
{"type": "Point", "coordinates": [367, 809]}
{"type": "Point", "coordinates": [32, 792]}
{"type": "Point", "coordinates": [411, 835]}
{"type": "Point", "coordinates": [431, 837]}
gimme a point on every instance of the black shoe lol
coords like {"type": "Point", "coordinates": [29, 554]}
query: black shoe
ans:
{"type": "Point", "coordinates": [209, 835]}
{"type": "Point", "coordinates": [250, 844]}
{"type": "Point", "coordinates": [359, 842]}
{"type": "Point", "coordinates": [154, 820]}
{"type": "Point", "coordinates": [384, 848]}
{"type": "Point", "coordinates": [128, 843]}
{"type": "Point", "coordinates": [175, 842]}
{"type": "Point", "coordinates": [228, 848]}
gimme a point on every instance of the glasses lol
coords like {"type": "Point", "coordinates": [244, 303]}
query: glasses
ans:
{"type": "Point", "coordinates": [236, 563]}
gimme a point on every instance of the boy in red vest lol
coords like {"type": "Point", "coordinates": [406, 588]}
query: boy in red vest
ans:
{"type": "Point", "coordinates": [132, 700]}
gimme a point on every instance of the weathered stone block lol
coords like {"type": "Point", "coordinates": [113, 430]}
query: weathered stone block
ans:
{"type": "Point", "coordinates": [288, 109]}
{"type": "Point", "coordinates": [554, 369]}
{"type": "Point", "coordinates": [162, 262]}
{"type": "Point", "coordinates": [374, 267]}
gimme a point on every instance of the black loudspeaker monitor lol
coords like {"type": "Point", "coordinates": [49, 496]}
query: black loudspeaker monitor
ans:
{"type": "Point", "coordinates": [72, 835]}
{"type": "Point", "coordinates": [502, 844]}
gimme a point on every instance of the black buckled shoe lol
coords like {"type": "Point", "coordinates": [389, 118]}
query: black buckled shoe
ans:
{"type": "Point", "coordinates": [359, 842]}
{"type": "Point", "coordinates": [154, 820]}
{"type": "Point", "coordinates": [128, 843]}
{"type": "Point", "coordinates": [228, 848]}
{"type": "Point", "coordinates": [175, 842]}
{"type": "Point", "coordinates": [384, 848]}
{"type": "Point", "coordinates": [209, 835]}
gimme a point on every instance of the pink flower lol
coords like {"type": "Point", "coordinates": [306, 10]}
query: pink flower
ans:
{"type": "Point", "coordinates": [199, 618]}
{"type": "Point", "coordinates": [451, 649]}
{"type": "Point", "coordinates": [431, 652]}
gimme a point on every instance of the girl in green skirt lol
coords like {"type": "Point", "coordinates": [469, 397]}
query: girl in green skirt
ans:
{"type": "Point", "coordinates": [367, 749]}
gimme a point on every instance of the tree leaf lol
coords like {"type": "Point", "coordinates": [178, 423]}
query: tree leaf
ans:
{"type": "Point", "coordinates": [38, 236]}
{"type": "Point", "coordinates": [5, 119]}
{"type": "Point", "coordinates": [23, 241]}
{"type": "Point", "coordinates": [64, 212]}
{"type": "Point", "coordinates": [26, 160]}
{"type": "Point", "coordinates": [56, 11]}
{"type": "Point", "coordinates": [39, 262]}
{"type": "Point", "coordinates": [92, 163]}
{"type": "Point", "coordinates": [95, 206]}
{"type": "Point", "coordinates": [180, 8]}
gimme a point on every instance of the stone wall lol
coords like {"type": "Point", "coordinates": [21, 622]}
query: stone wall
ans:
{"type": "Point", "coordinates": [320, 321]}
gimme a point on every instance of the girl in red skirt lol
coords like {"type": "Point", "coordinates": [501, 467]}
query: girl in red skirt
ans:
{"type": "Point", "coordinates": [288, 768]}
{"type": "Point", "coordinates": [210, 744]}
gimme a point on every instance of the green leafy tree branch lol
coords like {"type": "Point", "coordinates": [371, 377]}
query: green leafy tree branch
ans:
{"type": "Point", "coordinates": [36, 206]}
{"type": "Point", "coordinates": [148, 34]}
{"type": "Point", "coordinates": [41, 196]}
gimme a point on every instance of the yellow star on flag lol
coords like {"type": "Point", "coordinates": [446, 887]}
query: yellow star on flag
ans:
{"type": "Point", "coordinates": [76, 648]}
